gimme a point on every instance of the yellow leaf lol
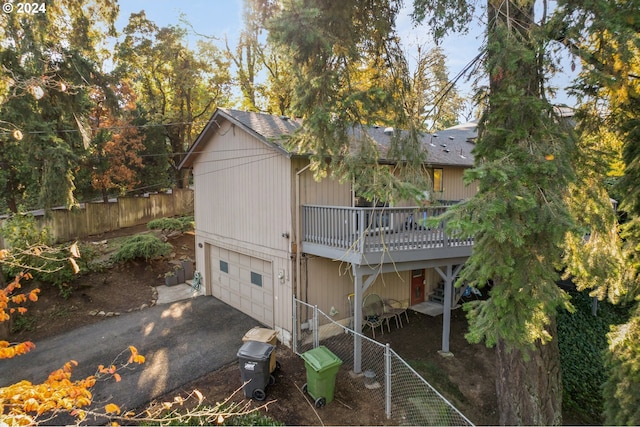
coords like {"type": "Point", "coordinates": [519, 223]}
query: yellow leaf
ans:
{"type": "Point", "coordinates": [117, 377]}
{"type": "Point", "coordinates": [139, 359]}
{"type": "Point", "coordinates": [74, 265]}
{"type": "Point", "coordinates": [549, 157]}
{"type": "Point", "coordinates": [33, 295]}
{"type": "Point", "coordinates": [112, 408]}
{"type": "Point", "coordinates": [198, 395]}
{"type": "Point", "coordinates": [167, 405]}
{"type": "Point", "coordinates": [31, 405]}
{"type": "Point", "coordinates": [75, 251]}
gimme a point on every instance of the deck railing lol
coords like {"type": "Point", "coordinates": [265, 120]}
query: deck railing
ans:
{"type": "Point", "coordinates": [367, 230]}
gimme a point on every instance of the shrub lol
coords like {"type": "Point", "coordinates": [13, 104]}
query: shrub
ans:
{"type": "Point", "coordinates": [28, 242]}
{"type": "Point", "coordinates": [168, 225]}
{"type": "Point", "coordinates": [145, 246]}
{"type": "Point", "coordinates": [583, 342]}
{"type": "Point", "coordinates": [622, 389]}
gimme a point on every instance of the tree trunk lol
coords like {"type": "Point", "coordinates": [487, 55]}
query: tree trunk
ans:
{"type": "Point", "coordinates": [529, 392]}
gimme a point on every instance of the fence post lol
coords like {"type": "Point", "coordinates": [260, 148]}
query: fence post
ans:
{"type": "Point", "coordinates": [294, 322]}
{"type": "Point", "coordinates": [387, 380]}
{"type": "Point", "coordinates": [316, 338]}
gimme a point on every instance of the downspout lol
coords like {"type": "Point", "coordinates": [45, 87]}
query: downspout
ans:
{"type": "Point", "coordinates": [299, 231]}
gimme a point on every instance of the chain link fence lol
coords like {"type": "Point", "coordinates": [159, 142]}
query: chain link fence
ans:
{"type": "Point", "coordinates": [408, 398]}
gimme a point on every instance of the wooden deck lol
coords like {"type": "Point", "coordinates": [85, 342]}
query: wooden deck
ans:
{"type": "Point", "coordinates": [374, 235]}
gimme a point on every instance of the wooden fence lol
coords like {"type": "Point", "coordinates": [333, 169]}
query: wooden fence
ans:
{"type": "Point", "coordinates": [97, 217]}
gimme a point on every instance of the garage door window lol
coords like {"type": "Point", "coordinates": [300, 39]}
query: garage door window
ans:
{"type": "Point", "coordinates": [256, 279]}
{"type": "Point", "coordinates": [224, 267]}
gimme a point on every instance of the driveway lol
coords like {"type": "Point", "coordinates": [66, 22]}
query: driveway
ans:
{"type": "Point", "coordinates": [181, 341]}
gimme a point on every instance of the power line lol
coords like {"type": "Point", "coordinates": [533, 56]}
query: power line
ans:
{"type": "Point", "coordinates": [238, 165]}
{"type": "Point", "coordinates": [39, 132]}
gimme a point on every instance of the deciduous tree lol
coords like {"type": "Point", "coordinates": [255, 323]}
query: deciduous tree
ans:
{"type": "Point", "coordinates": [179, 87]}
{"type": "Point", "coordinates": [116, 145]}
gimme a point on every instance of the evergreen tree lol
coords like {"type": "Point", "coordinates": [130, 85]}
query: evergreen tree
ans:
{"type": "Point", "coordinates": [51, 60]}
{"type": "Point", "coordinates": [530, 164]}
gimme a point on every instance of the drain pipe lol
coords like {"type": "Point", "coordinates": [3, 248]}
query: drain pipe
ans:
{"type": "Point", "coordinates": [299, 231]}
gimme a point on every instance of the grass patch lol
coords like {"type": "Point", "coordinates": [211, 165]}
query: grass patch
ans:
{"type": "Point", "coordinates": [255, 418]}
{"type": "Point", "coordinates": [62, 312]}
{"type": "Point", "coordinates": [438, 378]}
{"type": "Point", "coordinates": [23, 322]}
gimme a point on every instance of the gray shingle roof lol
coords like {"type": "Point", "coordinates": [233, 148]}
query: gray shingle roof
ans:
{"type": "Point", "coordinates": [450, 146]}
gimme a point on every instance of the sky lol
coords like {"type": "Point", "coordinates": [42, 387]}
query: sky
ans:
{"type": "Point", "coordinates": [224, 17]}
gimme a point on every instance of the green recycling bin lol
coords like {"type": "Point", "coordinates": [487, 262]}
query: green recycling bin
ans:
{"type": "Point", "coordinates": [322, 367]}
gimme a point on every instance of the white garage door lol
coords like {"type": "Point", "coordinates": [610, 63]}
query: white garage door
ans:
{"type": "Point", "coordinates": [244, 282]}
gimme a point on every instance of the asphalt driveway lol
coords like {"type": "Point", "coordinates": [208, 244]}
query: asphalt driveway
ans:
{"type": "Point", "coordinates": [181, 341]}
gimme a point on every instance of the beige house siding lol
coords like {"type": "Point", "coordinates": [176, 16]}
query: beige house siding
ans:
{"type": "Point", "coordinates": [328, 283]}
{"type": "Point", "coordinates": [453, 185]}
{"type": "Point", "coordinates": [242, 199]}
{"type": "Point", "coordinates": [327, 192]}
{"type": "Point", "coordinates": [242, 191]}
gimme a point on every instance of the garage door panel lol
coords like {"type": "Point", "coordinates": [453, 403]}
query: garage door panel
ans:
{"type": "Point", "coordinates": [246, 285]}
{"type": "Point", "coordinates": [235, 286]}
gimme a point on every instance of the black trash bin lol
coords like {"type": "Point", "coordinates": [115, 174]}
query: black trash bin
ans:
{"type": "Point", "coordinates": [254, 358]}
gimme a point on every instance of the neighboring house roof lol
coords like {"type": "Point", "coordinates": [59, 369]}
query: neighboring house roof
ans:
{"type": "Point", "coordinates": [450, 147]}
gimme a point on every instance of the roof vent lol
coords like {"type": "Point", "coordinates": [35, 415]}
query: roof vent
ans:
{"type": "Point", "coordinates": [388, 131]}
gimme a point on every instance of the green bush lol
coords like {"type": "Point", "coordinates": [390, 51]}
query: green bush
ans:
{"type": "Point", "coordinates": [21, 232]}
{"type": "Point", "coordinates": [145, 246]}
{"type": "Point", "coordinates": [622, 389]}
{"type": "Point", "coordinates": [583, 342]}
{"type": "Point", "coordinates": [181, 224]}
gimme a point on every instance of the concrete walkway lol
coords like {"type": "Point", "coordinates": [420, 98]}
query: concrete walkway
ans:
{"type": "Point", "coordinates": [169, 294]}
{"type": "Point", "coordinates": [181, 341]}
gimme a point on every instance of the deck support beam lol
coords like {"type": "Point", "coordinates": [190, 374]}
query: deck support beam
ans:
{"type": "Point", "coordinates": [449, 277]}
{"type": "Point", "coordinates": [359, 288]}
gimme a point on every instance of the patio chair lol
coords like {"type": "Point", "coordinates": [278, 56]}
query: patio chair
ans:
{"type": "Point", "coordinates": [396, 308]}
{"type": "Point", "coordinates": [373, 311]}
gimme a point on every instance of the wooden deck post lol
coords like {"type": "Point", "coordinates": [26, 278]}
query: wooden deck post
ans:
{"type": "Point", "coordinates": [449, 278]}
{"type": "Point", "coordinates": [357, 320]}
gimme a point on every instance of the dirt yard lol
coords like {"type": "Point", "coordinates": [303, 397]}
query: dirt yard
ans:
{"type": "Point", "coordinates": [466, 379]}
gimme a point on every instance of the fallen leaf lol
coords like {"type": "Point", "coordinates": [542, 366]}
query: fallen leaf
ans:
{"type": "Point", "coordinates": [112, 408]}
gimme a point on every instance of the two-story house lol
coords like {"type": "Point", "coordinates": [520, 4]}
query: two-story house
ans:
{"type": "Point", "coordinates": [266, 231]}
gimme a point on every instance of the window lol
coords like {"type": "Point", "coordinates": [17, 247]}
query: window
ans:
{"type": "Point", "coordinates": [438, 185]}
{"type": "Point", "coordinates": [224, 266]}
{"type": "Point", "coordinates": [256, 279]}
